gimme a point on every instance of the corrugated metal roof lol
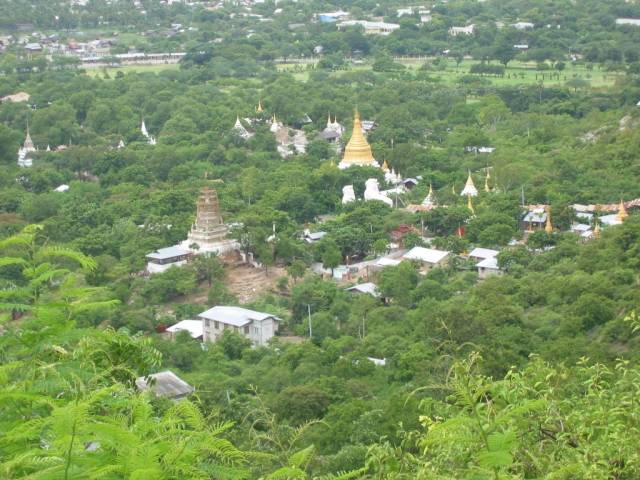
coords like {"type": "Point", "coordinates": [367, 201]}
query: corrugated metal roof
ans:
{"type": "Point", "coordinates": [235, 316]}
{"type": "Point", "coordinates": [165, 384]}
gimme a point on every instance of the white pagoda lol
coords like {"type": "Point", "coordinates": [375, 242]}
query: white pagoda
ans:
{"type": "Point", "coordinates": [469, 189]}
{"type": "Point", "coordinates": [24, 151]}
{"type": "Point", "coordinates": [208, 233]}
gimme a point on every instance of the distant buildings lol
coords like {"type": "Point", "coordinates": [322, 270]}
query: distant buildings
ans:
{"type": "Point", "coordinates": [455, 31]}
{"type": "Point", "coordinates": [628, 21]}
{"type": "Point", "coordinates": [522, 25]}
{"type": "Point", "coordinates": [371, 28]}
{"type": "Point", "coordinates": [164, 258]}
{"type": "Point", "coordinates": [258, 327]}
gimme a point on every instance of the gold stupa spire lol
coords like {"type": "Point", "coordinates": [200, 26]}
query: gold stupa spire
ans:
{"type": "Point", "coordinates": [259, 108]}
{"type": "Point", "coordinates": [430, 189]}
{"type": "Point", "coordinates": [622, 211]}
{"type": "Point", "coordinates": [596, 229]}
{"type": "Point", "coordinates": [385, 166]}
{"type": "Point", "coordinates": [470, 204]}
{"type": "Point", "coordinates": [548, 226]}
{"type": "Point", "coordinates": [358, 151]}
{"type": "Point", "coordinates": [486, 182]}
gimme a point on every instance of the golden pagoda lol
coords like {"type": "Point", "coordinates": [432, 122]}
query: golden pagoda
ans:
{"type": "Point", "coordinates": [358, 151]}
{"type": "Point", "coordinates": [596, 229]}
{"type": "Point", "coordinates": [548, 226]}
{"type": "Point", "coordinates": [470, 205]}
{"type": "Point", "coordinates": [385, 166]}
{"type": "Point", "coordinates": [622, 212]}
{"type": "Point", "coordinates": [259, 108]}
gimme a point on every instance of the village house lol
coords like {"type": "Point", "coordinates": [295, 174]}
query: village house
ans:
{"type": "Point", "coordinates": [165, 384]}
{"type": "Point", "coordinates": [428, 258]}
{"type": "Point", "coordinates": [478, 254]}
{"type": "Point", "coordinates": [364, 289]}
{"type": "Point", "coordinates": [488, 267]}
{"type": "Point", "coordinates": [258, 327]}
{"type": "Point", "coordinates": [193, 327]}
{"type": "Point", "coordinates": [534, 220]}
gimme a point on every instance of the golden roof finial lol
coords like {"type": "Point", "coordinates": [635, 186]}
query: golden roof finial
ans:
{"type": "Point", "coordinates": [596, 229]}
{"type": "Point", "coordinates": [622, 211]}
{"type": "Point", "coordinates": [259, 108]}
{"type": "Point", "coordinates": [470, 205]}
{"type": "Point", "coordinates": [385, 166]}
{"type": "Point", "coordinates": [548, 226]}
{"type": "Point", "coordinates": [430, 190]}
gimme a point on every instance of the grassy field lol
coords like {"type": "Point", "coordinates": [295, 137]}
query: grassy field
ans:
{"type": "Point", "coordinates": [517, 73]}
{"type": "Point", "coordinates": [112, 71]}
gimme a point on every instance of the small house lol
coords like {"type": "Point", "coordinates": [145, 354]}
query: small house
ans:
{"type": "Point", "coordinates": [165, 258]}
{"type": "Point", "coordinates": [488, 267]}
{"type": "Point", "coordinates": [427, 257]}
{"type": "Point", "coordinates": [364, 289]}
{"type": "Point", "coordinates": [165, 384]}
{"type": "Point", "coordinates": [479, 254]}
{"type": "Point", "coordinates": [258, 327]}
{"type": "Point", "coordinates": [194, 327]}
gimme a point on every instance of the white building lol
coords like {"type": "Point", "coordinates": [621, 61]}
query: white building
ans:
{"type": "Point", "coordinates": [371, 28]}
{"type": "Point", "coordinates": [468, 30]}
{"type": "Point", "coordinates": [194, 327]}
{"type": "Point", "coordinates": [522, 25]}
{"type": "Point", "coordinates": [258, 327]}
{"type": "Point", "coordinates": [628, 21]}
{"type": "Point", "coordinates": [488, 267]}
{"type": "Point", "coordinates": [428, 258]}
{"type": "Point", "coordinates": [164, 258]}
{"type": "Point", "coordinates": [479, 254]}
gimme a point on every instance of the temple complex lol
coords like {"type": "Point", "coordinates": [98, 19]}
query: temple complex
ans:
{"type": "Point", "coordinates": [240, 130]}
{"type": "Point", "coordinates": [358, 151]}
{"type": "Point", "coordinates": [208, 233]}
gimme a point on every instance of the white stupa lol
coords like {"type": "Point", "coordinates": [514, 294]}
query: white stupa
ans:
{"type": "Point", "coordinates": [469, 189]}
{"type": "Point", "coordinates": [348, 194]}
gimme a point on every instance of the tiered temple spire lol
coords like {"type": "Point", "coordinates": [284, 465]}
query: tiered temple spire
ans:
{"type": "Point", "coordinates": [622, 211]}
{"type": "Point", "coordinates": [208, 231]}
{"type": "Point", "coordinates": [358, 151]}
{"type": "Point", "coordinates": [469, 187]}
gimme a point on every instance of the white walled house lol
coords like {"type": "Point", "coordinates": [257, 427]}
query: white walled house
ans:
{"type": "Point", "coordinates": [259, 327]}
{"type": "Point", "coordinates": [164, 258]}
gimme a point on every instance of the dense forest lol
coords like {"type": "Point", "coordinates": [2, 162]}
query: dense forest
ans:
{"type": "Point", "coordinates": [529, 374]}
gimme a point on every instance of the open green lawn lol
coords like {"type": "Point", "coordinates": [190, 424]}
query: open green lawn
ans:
{"type": "Point", "coordinates": [517, 73]}
{"type": "Point", "coordinates": [112, 71]}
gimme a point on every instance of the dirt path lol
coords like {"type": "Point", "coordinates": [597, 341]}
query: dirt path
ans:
{"type": "Point", "coordinates": [248, 283]}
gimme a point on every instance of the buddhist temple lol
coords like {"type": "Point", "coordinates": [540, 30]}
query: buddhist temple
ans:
{"type": "Point", "coordinates": [358, 151]}
{"type": "Point", "coordinates": [240, 130]}
{"type": "Point", "coordinates": [24, 151]}
{"type": "Point", "coordinates": [208, 233]}
{"type": "Point", "coordinates": [469, 187]}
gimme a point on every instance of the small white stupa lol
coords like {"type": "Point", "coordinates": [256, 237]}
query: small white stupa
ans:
{"type": "Point", "coordinates": [372, 192]}
{"type": "Point", "coordinates": [348, 194]}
